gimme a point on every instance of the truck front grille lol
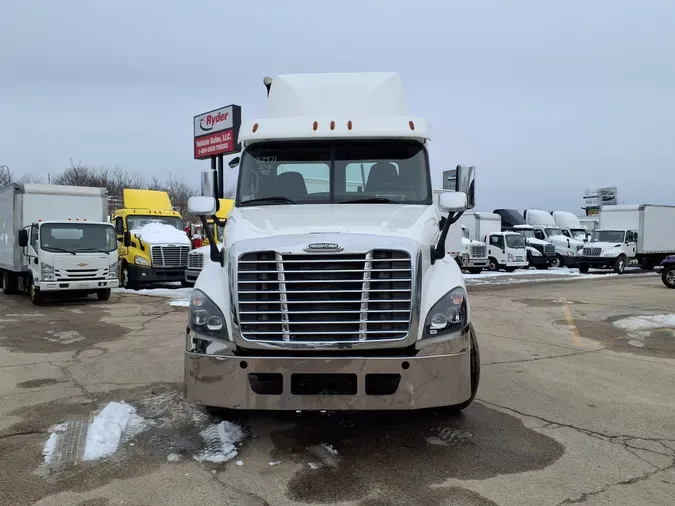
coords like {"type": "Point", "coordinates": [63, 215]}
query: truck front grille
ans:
{"type": "Point", "coordinates": [195, 261]}
{"type": "Point", "coordinates": [170, 256]}
{"type": "Point", "coordinates": [81, 274]}
{"type": "Point", "coordinates": [325, 297]}
{"type": "Point", "coordinates": [592, 252]}
{"type": "Point", "coordinates": [478, 251]}
{"type": "Point", "coordinates": [549, 250]}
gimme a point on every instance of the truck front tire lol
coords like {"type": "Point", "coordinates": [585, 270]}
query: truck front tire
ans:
{"type": "Point", "coordinates": [36, 296]}
{"type": "Point", "coordinates": [583, 268]}
{"type": "Point", "coordinates": [103, 295]}
{"type": "Point", "coordinates": [475, 373]}
{"type": "Point", "coordinates": [125, 279]}
{"type": "Point", "coordinates": [620, 264]}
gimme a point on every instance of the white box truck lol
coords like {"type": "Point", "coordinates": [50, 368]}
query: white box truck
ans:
{"type": "Point", "coordinates": [506, 250]}
{"type": "Point", "coordinates": [329, 295]}
{"type": "Point", "coordinates": [56, 238]}
{"type": "Point", "coordinates": [630, 235]}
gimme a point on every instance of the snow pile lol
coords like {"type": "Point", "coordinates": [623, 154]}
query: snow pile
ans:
{"type": "Point", "coordinates": [106, 430]}
{"type": "Point", "coordinates": [648, 323]}
{"type": "Point", "coordinates": [180, 296]}
{"type": "Point", "coordinates": [161, 233]}
{"type": "Point", "coordinates": [220, 442]}
{"type": "Point", "coordinates": [51, 450]}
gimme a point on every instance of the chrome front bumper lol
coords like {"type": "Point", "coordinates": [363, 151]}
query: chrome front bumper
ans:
{"type": "Point", "coordinates": [434, 377]}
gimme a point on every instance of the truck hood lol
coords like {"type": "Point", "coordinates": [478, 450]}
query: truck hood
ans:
{"type": "Point", "coordinates": [602, 245]}
{"type": "Point", "coordinates": [418, 222]}
{"type": "Point", "coordinates": [81, 261]}
{"type": "Point", "coordinates": [533, 241]}
{"type": "Point", "coordinates": [561, 239]}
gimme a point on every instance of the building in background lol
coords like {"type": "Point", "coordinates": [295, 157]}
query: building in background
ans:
{"type": "Point", "coordinates": [594, 199]}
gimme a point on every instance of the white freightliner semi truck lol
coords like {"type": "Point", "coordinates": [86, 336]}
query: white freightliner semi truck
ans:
{"type": "Point", "coordinates": [56, 239]}
{"type": "Point", "coordinates": [545, 229]}
{"type": "Point", "coordinates": [341, 297]}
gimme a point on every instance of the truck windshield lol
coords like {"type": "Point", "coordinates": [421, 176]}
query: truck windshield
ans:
{"type": "Point", "coordinates": [76, 237]}
{"type": "Point", "coordinates": [553, 231]}
{"type": "Point", "coordinates": [137, 222]}
{"type": "Point", "coordinates": [515, 241]}
{"type": "Point", "coordinates": [578, 233]}
{"type": "Point", "coordinates": [608, 236]}
{"type": "Point", "coordinates": [525, 232]}
{"type": "Point", "coordinates": [321, 172]}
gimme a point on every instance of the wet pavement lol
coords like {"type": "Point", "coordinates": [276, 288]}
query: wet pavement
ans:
{"type": "Point", "coordinates": [575, 406]}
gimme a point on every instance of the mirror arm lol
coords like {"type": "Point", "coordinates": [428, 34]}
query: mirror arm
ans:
{"type": "Point", "coordinates": [216, 255]}
{"type": "Point", "coordinates": [219, 222]}
{"type": "Point", "coordinates": [438, 252]}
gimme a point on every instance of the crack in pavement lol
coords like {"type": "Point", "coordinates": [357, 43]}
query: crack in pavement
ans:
{"type": "Point", "coordinates": [534, 359]}
{"type": "Point", "coordinates": [586, 495]}
{"type": "Point", "coordinates": [24, 433]}
{"type": "Point", "coordinates": [623, 440]}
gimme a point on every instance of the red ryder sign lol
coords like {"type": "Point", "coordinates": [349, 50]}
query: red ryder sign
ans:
{"type": "Point", "coordinates": [216, 132]}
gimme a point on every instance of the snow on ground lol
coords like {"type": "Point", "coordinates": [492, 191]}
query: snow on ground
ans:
{"type": "Point", "coordinates": [161, 233]}
{"type": "Point", "coordinates": [105, 431]}
{"type": "Point", "coordinates": [220, 442]}
{"type": "Point", "coordinates": [640, 327]}
{"type": "Point", "coordinates": [179, 296]}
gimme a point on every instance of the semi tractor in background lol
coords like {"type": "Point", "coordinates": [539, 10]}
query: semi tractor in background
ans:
{"type": "Point", "coordinates": [540, 254]}
{"type": "Point", "coordinates": [545, 229]}
{"type": "Point", "coordinates": [570, 225]}
{"type": "Point", "coordinates": [153, 245]}
{"type": "Point", "coordinates": [55, 239]}
{"type": "Point", "coordinates": [506, 250]}
{"type": "Point", "coordinates": [332, 296]}
{"type": "Point", "coordinates": [630, 235]}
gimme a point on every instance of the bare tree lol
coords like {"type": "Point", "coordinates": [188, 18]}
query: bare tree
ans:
{"type": "Point", "coordinates": [228, 193]}
{"type": "Point", "coordinates": [5, 176]}
{"type": "Point", "coordinates": [30, 178]}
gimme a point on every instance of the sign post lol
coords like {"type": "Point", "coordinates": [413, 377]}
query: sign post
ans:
{"type": "Point", "coordinates": [215, 134]}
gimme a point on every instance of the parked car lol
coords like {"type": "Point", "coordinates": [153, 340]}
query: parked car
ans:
{"type": "Point", "coordinates": [668, 272]}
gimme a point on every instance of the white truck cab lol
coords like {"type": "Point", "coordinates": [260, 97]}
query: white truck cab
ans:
{"type": "Point", "coordinates": [630, 235]}
{"type": "Point", "coordinates": [55, 239]}
{"type": "Point", "coordinates": [540, 253]}
{"type": "Point", "coordinates": [506, 250]}
{"type": "Point", "coordinates": [333, 290]}
{"type": "Point", "coordinates": [570, 225]}
{"type": "Point", "coordinates": [545, 228]}
{"type": "Point", "coordinates": [474, 256]}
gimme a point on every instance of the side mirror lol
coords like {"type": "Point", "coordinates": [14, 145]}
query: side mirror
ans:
{"type": "Point", "coordinates": [126, 239]}
{"type": "Point", "coordinates": [202, 206]}
{"type": "Point", "coordinates": [208, 183]}
{"type": "Point", "coordinates": [466, 177]}
{"type": "Point", "coordinates": [23, 238]}
{"type": "Point", "coordinates": [635, 236]}
{"type": "Point", "coordinates": [234, 163]}
{"type": "Point", "coordinates": [452, 202]}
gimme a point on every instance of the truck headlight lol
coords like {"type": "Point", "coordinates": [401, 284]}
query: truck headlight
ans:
{"type": "Point", "coordinates": [510, 257]}
{"type": "Point", "coordinates": [204, 317]}
{"type": "Point", "coordinates": [535, 252]}
{"type": "Point", "coordinates": [448, 315]}
{"type": "Point", "coordinates": [139, 260]}
{"type": "Point", "coordinates": [113, 270]}
{"type": "Point", "coordinates": [47, 272]}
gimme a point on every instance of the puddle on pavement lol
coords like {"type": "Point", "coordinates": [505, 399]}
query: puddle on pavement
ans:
{"type": "Point", "coordinates": [653, 343]}
{"type": "Point", "coordinates": [547, 302]}
{"type": "Point", "coordinates": [402, 455]}
{"type": "Point", "coordinates": [36, 383]}
{"type": "Point", "coordinates": [51, 329]}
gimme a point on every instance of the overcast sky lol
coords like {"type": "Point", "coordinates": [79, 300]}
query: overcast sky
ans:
{"type": "Point", "coordinates": [545, 98]}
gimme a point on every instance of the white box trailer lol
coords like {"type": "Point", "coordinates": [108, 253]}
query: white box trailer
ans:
{"type": "Point", "coordinates": [56, 238]}
{"type": "Point", "coordinates": [642, 234]}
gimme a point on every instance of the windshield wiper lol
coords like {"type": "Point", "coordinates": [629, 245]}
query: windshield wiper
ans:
{"type": "Point", "coordinates": [52, 248]}
{"type": "Point", "coordinates": [95, 249]}
{"type": "Point", "coordinates": [279, 200]}
{"type": "Point", "coordinates": [373, 200]}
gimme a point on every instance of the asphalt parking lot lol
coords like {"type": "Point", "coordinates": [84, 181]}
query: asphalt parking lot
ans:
{"type": "Point", "coordinates": [575, 405]}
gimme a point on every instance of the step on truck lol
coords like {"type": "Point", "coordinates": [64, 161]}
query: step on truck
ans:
{"type": "Point", "coordinates": [630, 235]}
{"type": "Point", "coordinates": [153, 245]}
{"type": "Point", "coordinates": [506, 250]}
{"type": "Point", "coordinates": [331, 295]}
{"type": "Point", "coordinates": [56, 240]}
{"type": "Point", "coordinates": [540, 254]}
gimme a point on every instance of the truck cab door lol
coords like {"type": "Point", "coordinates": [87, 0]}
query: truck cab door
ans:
{"type": "Point", "coordinates": [631, 243]}
{"type": "Point", "coordinates": [496, 247]}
